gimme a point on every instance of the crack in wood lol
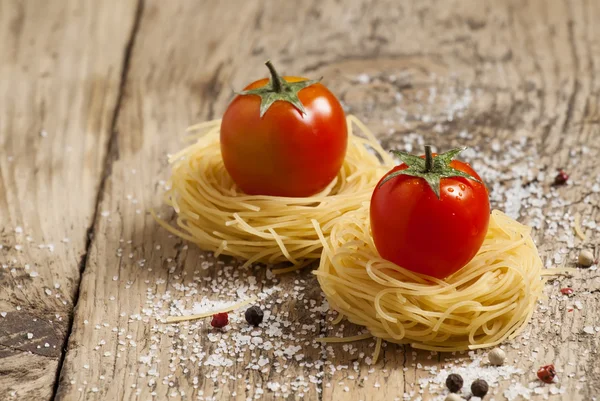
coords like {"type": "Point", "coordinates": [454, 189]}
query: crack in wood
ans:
{"type": "Point", "coordinates": [110, 157]}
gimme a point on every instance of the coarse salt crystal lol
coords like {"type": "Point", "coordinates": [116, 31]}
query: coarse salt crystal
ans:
{"type": "Point", "coordinates": [363, 79]}
{"type": "Point", "coordinates": [517, 390]}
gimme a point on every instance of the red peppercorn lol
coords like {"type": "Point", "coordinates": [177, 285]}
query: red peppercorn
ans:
{"type": "Point", "coordinates": [546, 373]}
{"type": "Point", "coordinates": [566, 291]}
{"type": "Point", "coordinates": [561, 178]}
{"type": "Point", "coordinates": [220, 320]}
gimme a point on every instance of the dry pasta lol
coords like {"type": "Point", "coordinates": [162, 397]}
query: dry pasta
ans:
{"type": "Point", "coordinates": [486, 302]}
{"type": "Point", "coordinates": [214, 214]}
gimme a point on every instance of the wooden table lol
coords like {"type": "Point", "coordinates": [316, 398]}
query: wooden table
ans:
{"type": "Point", "coordinates": [93, 95]}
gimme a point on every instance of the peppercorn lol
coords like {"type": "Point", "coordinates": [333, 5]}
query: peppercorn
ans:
{"type": "Point", "coordinates": [220, 320]}
{"type": "Point", "coordinates": [496, 357]}
{"type": "Point", "coordinates": [454, 382]}
{"type": "Point", "coordinates": [254, 315]}
{"type": "Point", "coordinates": [546, 373]}
{"type": "Point", "coordinates": [561, 178]}
{"type": "Point", "coordinates": [479, 388]}
{"type": "Point", "coordinates": [566, 291]}
{"type": "Point", "coordinates": [586, 258]}
{"type": "Point", "coordinates": [454, 397]}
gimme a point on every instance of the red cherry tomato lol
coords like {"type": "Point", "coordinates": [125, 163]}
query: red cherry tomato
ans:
{"type": "Point", "coordinates": [418, 231]}
{"type": "Point", "coordinates": [285, 152]}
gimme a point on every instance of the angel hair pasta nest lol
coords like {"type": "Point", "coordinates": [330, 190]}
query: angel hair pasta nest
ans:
{"type": "Point", "coordinates": [217, 216]}
{"type": "Point", "coordinates": [488, 301]}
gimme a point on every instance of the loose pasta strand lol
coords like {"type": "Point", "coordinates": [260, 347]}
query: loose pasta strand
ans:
{"type": "Point", "coordinates": [176, 319]}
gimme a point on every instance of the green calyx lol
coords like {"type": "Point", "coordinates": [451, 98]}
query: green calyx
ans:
{"type": "Point", "coordinates": [432, 168]}
{"type": "Point", "coordinates": [280, 89]}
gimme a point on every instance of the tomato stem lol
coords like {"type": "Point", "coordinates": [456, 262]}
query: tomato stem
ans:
{"type": "Point", "coordinates": [428, 159]}
{"type": "Point", "coordinates": [278, 89]}
{"type": "Point", "coordinates": [275, 78]}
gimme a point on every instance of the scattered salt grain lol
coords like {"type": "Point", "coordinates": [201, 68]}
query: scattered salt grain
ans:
{"type": "Point", "coordinates": [588, 330]}
{"type": "Point", "coordinates": [363, 79]}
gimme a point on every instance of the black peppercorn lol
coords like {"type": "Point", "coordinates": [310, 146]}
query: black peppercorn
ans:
{"type": "Point", "coordinates": [454, 382]}
{"type": "Point", "coordinates": [254, 315]}
{"type": "Point", "coordinates": [479, 388]}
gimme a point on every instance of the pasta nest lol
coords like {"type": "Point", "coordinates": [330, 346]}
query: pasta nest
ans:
{"type": "Point", "coordinates": [489, 300]}
{"type": "Point", "coordinates": [213, 213]}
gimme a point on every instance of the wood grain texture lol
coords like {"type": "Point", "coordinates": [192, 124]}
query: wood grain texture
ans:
{"type": "Point", "coordinates": [60, 75]}
{"type": "Point", "coordinates": [515, 80]}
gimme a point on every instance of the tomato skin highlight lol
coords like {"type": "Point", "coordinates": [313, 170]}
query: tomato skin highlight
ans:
{"type": "Point", "coordinates": [414, 229]}
{"type": "Point", "coordinates": [284, 153]}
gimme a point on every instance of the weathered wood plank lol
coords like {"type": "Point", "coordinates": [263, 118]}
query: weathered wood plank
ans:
{"type": "Point", "coordinates": [60, 67]}
{"type": "Point", "coordinates": [514, 80]}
